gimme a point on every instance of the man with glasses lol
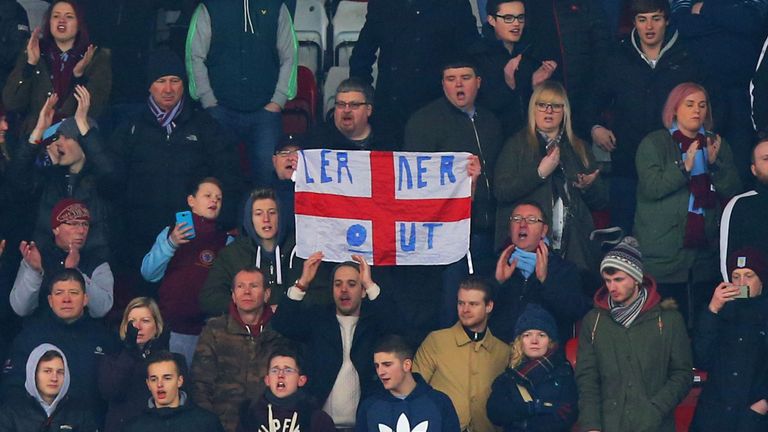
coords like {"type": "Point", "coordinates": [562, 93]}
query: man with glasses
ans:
{"type": "Point", "coordinates": [509, 71]}
{"type": "Point", "coordinates": [528, 273]}
{"type": "Point", "coordinates": [232, 353]}
{"type": "Point", "coordinates": [350, 129]}
{"type": "Point", "coordinates": [285, 405]}
{"type": "Point", "coordinates": [70, 221]}
{"type": "Point", "coordinates": [454, 123]}
{"type": "Point", "coordinates": [285, 160]}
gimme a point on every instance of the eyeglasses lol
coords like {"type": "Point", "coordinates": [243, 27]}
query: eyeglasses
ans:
{"type": "Point", "coordinates": [509, 19]}
{"type": "Point", "coordinates": [354, 106]}
{"type": "Point", "coordinates": [76, 224]}
{"type": "Point", "coordinates": [286, 153]}
{"type": "Point", "coordinates": [529, 219]}
{"type": "Point", "coordinates": [284, 371]}
{"type": "Point", "coordinates": [544, 106]}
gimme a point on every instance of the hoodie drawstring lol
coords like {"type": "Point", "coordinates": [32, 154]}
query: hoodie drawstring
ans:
{"type": "Point", "coordinates": [247, 17]}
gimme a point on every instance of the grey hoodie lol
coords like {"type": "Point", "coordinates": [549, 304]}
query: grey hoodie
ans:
{"type": "Point", "coordinates": [31, 383]}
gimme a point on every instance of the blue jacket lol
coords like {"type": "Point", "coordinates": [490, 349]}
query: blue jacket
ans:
{"type": "Point", "coordinates": [384, 412]}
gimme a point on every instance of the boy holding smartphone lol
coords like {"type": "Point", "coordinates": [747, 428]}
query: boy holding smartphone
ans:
{"type": "Point", "coordinates": [181, 257]}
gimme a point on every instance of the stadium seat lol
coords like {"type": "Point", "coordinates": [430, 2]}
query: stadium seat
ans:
{"type": "Point", "coordinates": [311, 26]}
{"type": "Point", "coordinates": [347, 23]}
{"type": "Point", "coordinates": [300, 112]}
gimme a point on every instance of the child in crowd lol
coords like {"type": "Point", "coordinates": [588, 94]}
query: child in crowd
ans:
{"type": "Point", "coordinates": [284, 406]}
{"type": "Point", "coordinates": [181, 258]}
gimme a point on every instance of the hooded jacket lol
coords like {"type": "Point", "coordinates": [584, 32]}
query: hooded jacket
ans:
{"type": "Point", "coordinates": [743, 224]}
{"type": "Point", "coordinates": [296, 412]}
{"type": "Point", "coordinates": [32, 413]}
{"type": "Point", "coordinates": [230, 362]}
{"type": "Point", "coordinates": [423, 406]}
{"type": "Point", "coordinates": [248, 250]}
{"type": "Point", "coordinates": [635, 93]}
{"type": "Point", "coordinates": [631, 379]}
{"type": "Point", "coordinates": [83, 341]}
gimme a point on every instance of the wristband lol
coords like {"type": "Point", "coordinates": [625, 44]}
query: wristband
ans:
{"type": "Point", "coordinates": [300, 286]}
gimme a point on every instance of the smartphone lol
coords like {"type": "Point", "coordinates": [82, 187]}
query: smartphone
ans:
{"type": "Point", "coordinates": [186, 217]}
{"type": "Point", "coordinates": [743, 292]}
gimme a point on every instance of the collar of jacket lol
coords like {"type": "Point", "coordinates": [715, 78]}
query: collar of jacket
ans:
{"type": "Point", "coordinates": [601, 296]}
{"type": "Point", "coordinates": [460, 336]}
{"type": "Point", "coordinates": [235, 324]}
{"type": "Point", "coordinates": [456, 111]}
{"type": "Point", "coordinates": [670, 38]}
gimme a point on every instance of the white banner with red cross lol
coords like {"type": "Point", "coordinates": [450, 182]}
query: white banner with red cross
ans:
{"type": "Point", "coordinates": [393, 208]}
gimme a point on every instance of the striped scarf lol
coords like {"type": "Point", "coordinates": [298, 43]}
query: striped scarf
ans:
{"type": "Point", "coordinates": [626, 314]}
{"type": "Point", "coordinates": [166, 118]}
{"type": "Point", "coordinates": [702, 195]}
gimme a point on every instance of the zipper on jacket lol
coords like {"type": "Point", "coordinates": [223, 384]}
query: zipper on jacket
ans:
{"type": "Point", "coordinates": [485, 165]}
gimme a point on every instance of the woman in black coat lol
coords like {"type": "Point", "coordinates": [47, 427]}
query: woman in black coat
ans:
{"type": "Point", "coordinates": [537, 392]}
{"type": "Point", "coordinates": [122, 376]}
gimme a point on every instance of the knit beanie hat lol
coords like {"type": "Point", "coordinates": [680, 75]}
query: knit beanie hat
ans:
{"type": "Point", "coordinates": [626, 257]}
{"type": "Point", "coordinates": [536, 317]}
{"type": "Point", "coordinates": [164, 62]}
{"type": "Point", "coordinates": [69, 209]}
{"type": "Point", "coordinates": [751, 258]}
{"type": "Point", "coordinates": [68, 127]}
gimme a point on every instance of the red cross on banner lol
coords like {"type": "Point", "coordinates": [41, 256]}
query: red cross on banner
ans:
{"type": "Point", "coordinates": [392, 208]}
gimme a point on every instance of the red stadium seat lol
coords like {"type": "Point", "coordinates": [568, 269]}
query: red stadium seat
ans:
{"type": "Point", "coordinates": [299, 113]}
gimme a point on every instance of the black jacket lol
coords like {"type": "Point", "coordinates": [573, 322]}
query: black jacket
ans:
{"type": "Point", "coordinates": [574, 33]}
{"type": "Point", "coordinates": [187, 418]}
{"type": "Point", "coordinates": [157, 169]}
{"type": "Point", "coordinates": [24, 414]}
{"type": "Point", "coordinates": [415, 39]}
{"type": "Point", "coordinates": [14, 31]}
{"type": "Point", "coordinates": [509, 106]}
{"type": "Point", "coordinates": [95, 185]}
{"type": "Point", "coordinates": [441, 127]}
{"type": "Point", "coordinates": [732, 347]}
{"type": "Point", "coordinates": [84, 342]}
{"type": "Point", "coordinates": [327, 136]}
{"type": "Point", "coordinates": [743, 223]}
{"type": "Point", "coordinates": [635, 94]}
{"type": "Point", "coordinates": [318, 327]}
{"type": "Point", "coordinates": [560, 294]}
{"type": "Point", "coordinates": [760, 93]}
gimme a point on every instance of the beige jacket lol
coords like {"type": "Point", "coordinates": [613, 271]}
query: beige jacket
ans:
{"type": "Point", "coordinates": [464, 370]}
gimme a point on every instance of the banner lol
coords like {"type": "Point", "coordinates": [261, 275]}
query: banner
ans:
{"type": "Point", "coordinates": [393, 208]}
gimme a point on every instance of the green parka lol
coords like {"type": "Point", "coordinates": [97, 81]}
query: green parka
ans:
{"type": "Point", "coordinates": [662, 210]}
{"type": "Point", "coordinates": [631, 379]}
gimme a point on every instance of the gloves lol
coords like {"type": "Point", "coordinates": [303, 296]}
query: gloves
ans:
{"type": "Point", "coordinates": [131, 334]}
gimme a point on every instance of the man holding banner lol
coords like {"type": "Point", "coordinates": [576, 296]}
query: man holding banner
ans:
{"type": "Point", "coordinates": [340, 338]}
{"type": "Point", "coordinates": [454, 123]}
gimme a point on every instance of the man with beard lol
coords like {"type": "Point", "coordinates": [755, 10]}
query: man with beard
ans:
{"type": "Point", "coordinates": [340, 337]}
{"type": "Point", "coordinates": [742, 222]}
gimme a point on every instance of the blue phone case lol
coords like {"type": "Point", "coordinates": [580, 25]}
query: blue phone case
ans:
{"type": "Point", "coordinates": [186, 217]}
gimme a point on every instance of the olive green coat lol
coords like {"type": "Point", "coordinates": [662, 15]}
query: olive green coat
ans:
{"type": "Point", "coordinates": [631, 379]}
{"type": "Point", "coordinates": [662, 210]}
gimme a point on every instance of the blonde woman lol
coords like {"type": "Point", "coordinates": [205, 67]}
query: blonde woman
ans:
{"type": "Point", "coordinates": [546, 163]}
{"type": "Point", "coordinates": [537, 391]}
{"type": "Point", "coordinates": [122, 376]}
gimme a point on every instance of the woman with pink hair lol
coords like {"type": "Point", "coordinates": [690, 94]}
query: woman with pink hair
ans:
{"type": "Point", "coordinates": [685, 173]}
